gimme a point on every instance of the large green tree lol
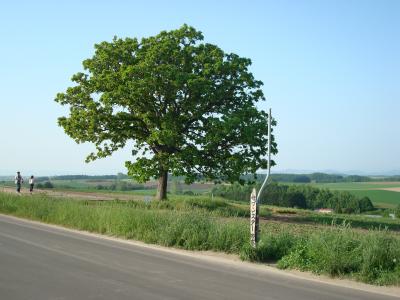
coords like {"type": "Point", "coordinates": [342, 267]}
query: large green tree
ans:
{"type": "Point", "coordinates": [187, 107]}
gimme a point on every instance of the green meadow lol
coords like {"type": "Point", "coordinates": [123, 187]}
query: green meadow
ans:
{"type": "Point", "coordinates": [380, 198]}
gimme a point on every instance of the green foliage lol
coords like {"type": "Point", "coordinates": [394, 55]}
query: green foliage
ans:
{"type": "Point", "coordinates": [379, 197]}
{"type": "Point", "coordinates": [122, 186]}
{"type": "Point", "coordinates": [373, 190]}
{"type": "Point", "coordinates": [371, 257]}
{"type": "Point", "coordinates": [176, 187]}
{"type": "Point", "coordinates": [45, 185]}
{"type": "Point", "coordinates": [156, 222]}
{"type": "Point", "coordinates": [272, 247]}
{"type": "Point", "coordinates": [294, 199]}
{"type": "Point", "coordinates": [318, 177]}
{"type": "Point", "coordinates": [218, 207]}
{"type": "Point", "coordinates": [332, 253]}
{"type": "Point", "coordinates": [86, 177]}
{"type": "Point", "coordinates": [356, 221]}
{"type": "Point", "coordinates": [303, 178]}
{"type": "Point", "coordinates": [180, 101]}
{"type": "Point", "coordinates": [300, 196]}
{"type": "Point", "coordinates": [380, 263]}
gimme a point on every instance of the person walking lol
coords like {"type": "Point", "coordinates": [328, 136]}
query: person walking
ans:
{"type": "Point", "coordinates": [31, 183]}
{"type": "Point", "coordinates": [18, 181]}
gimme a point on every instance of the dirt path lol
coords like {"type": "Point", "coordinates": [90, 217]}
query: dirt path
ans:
{"type": "Point", "coordinates": [79, 195]}
{"type": "Point", "coordinates": [392, 189]}
{"type": "Point", "coordinates": [382, 182]}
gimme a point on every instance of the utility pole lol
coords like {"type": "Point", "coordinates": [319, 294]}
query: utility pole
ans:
{"type": "Point", "coordinates": [255, 198]}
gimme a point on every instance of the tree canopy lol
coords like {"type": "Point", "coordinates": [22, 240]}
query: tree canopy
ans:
{"type": "Point", "coordinates": [187, 107]}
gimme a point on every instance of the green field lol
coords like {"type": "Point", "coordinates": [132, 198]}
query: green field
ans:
{"type": "Point", "coordinates": [380, 198]}
{"type": "Point", "coordinates": [104, 186]}
{"type": "Point", "coordinates": [357, 185]}
{"type": "Point", "coordinates": [385, 199]}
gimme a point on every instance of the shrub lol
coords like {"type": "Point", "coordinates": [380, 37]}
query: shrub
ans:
{"type": "Point", "coordinates": [47, 185]}
{"type": "Point", "coordinates": [371, 257]}
{"type": "Point", "coordinates": [380, 258]}
{"type": "Point", "coordinates": [300, 196]}
{"type": "Point", "coordinates": [335, 252]}
{"type": "Point", "coordinates": [271, 247]}
{"type": "Point", "coordinates": [397, 211]}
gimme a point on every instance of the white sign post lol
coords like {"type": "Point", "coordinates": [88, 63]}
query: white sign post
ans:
{"type": "Point", "coordinates": [254, 219]}
{"type": "Point", "coordinates": [254, 198]}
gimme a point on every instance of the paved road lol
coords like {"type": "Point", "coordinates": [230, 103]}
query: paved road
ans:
{"type": "Point", "coordinates": [42, 262]}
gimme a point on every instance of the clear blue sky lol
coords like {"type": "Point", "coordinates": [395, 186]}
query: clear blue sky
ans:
{"type": "Point", "coordinates": [331, 73]}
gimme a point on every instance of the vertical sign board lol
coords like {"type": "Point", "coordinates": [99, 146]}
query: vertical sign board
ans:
{"type": "Point", "coordinates": [254, 218]}
{"type": "Point", "coordinates": [254, 213]}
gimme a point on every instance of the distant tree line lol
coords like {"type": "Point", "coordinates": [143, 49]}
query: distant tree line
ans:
{"type": "Point", "coordinates": [318, 177]}
{"type": "Point", "coordinates": [103, 177]}
{"type": "Point", "coordinates": [122, 186]}
{"type": "Point", "coordinates": [82, 177]}
{"type": "Point", "coordinates": [292, 178]}
{"type": "Point", "coordinates": [45, 185]}
{"type": "Point", "coordinates": [300, 196]}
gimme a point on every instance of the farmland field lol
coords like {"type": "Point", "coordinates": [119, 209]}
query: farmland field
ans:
{"type": "Point", "coordinates": [382, 194]}
{"type": "Point", "coordinates": [106, 184]}
{"type": "Point", "coordinates": [378, 192]}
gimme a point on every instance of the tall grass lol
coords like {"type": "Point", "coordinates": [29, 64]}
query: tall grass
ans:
{"type": "Point", "coordinates": [195, 224]}
{"type": "Point", "coordinates": [371, 257]}
{"type": "Point", "coordinates": [356, 221]}
{"type": "Point", "coordinates": [152, 223]}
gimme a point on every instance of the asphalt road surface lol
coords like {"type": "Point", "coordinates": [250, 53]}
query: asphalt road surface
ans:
{"type": "Point", "coordinates": [43, 262]}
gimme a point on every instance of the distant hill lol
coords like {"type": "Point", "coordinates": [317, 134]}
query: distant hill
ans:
{"type": "Point", "coordinates": [384, 173]}
{"type": "Point", "coordinates": [321, 178]}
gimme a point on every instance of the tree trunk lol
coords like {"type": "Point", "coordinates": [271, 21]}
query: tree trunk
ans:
{"type": "Point", "coordinates": [162, 186]}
